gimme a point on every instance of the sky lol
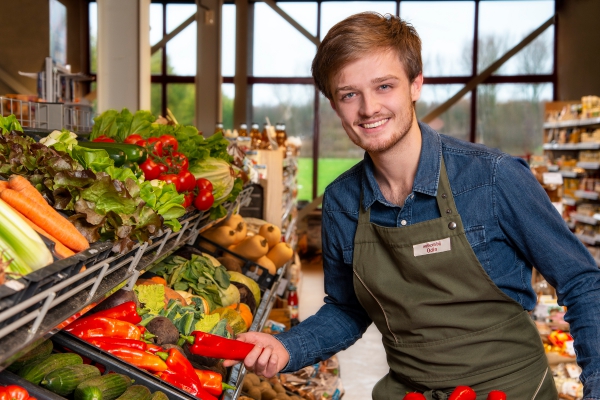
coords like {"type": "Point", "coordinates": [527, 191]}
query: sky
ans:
{"type": "Point", "coordinates": [445, 28]}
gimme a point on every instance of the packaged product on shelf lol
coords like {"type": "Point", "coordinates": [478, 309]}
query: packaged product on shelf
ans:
{"type": "Point", "coordinates": [316, 382]}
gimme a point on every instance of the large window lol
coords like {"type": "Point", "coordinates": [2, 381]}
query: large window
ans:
{"type": "Point", "coordinates": [460, 39]}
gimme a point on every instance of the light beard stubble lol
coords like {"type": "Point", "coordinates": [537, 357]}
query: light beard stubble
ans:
{"type": "Point", "coordinates": [406, 120]}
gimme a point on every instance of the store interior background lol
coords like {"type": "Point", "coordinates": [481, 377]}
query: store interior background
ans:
{"type": "Point", "coordinates": [236, 79]}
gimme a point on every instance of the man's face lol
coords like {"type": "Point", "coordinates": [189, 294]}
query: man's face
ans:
{"type": "Point", "coordinates": [374, 99]}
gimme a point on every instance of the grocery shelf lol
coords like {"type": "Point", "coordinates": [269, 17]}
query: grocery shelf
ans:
{"type": "Point", "coordinates": [586, 194]}
{"type": "Point", "coordinates": [593, 220]}
{"type": "Point", "coordinates": [571, 146]}
{"type": "Point", "coordinates": [570, 174]}
{"type": "Point", "coordinates": [588, 165]}
{"type": "Point", "coordinates": [572, 123]}
{"type": "Point", "coordinates": [587, 239]}
{"type": "Point", "coordinates": [569, 201]}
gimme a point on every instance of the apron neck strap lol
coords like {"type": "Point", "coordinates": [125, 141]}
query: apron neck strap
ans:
{"type": "Point", "coordinates": [444, 197]}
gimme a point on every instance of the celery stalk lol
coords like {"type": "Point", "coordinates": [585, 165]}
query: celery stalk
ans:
{"type": "Point", "coordinates": [22, 239]}
{"type": "Point", "coordinates": [16, 265]}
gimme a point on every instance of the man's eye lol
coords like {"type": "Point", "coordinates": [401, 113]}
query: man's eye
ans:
{"type": "Point", "coordinates": [348, 95]}
{"type": "Point", "coordinates": [384, 86]}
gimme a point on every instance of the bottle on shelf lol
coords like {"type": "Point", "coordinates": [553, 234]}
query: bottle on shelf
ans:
{"type": "Point", "coordinates": [255, 136]}
{"type": "Point", "coordinates": [281, 136]}
{"type": "Point", "coordinates": [219, 128]}
{"type": "Point", "coordinates": [243, 131]}
{"type": "Point", "coordinates": [292, 300]}
{"type": "Point", "coordinates": [265, 142]}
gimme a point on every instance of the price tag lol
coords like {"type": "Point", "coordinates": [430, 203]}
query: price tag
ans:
{"type": "Point", "coordinates": [552, 178]}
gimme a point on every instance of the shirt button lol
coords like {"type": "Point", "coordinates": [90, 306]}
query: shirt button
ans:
{"type": "Point", "coordinates": [403, 222]}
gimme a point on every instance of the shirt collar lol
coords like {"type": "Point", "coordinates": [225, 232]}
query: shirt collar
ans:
{"type": "Point", "coordinates": [428, 172]}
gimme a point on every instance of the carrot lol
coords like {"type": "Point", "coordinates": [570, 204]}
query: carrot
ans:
{"type": "Point", "coordinates": [23, 186]}
{"type": "Point", "coordinates": [46, 218]}
{"type": "Point", "coordinates": [3, 185]}
{"type": "Point", "coordinates": [60, 249]}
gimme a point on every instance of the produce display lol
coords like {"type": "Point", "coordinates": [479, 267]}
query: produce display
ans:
{"type": "Point", "coordinates": [262, 245]}
{"type": "Point", "coordinates": [460, 393]}
{"type": "Point", "coordinates": [15, 392]}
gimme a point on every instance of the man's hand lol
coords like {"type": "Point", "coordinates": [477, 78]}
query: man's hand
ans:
{"type": "Point", "coordinates": [268, 356]}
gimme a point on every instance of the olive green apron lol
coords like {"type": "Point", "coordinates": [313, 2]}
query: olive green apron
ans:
{"type": "Point", "coordinates": [444, 322]}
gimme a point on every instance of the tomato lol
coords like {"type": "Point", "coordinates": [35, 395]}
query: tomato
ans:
{"type": "Point", "coordinates": [169, 141]}
{"type": "Point", "coordinates": [187, 181]}
{"type": "Point", "coordinates": [16, 392]}
{"type": "Point", "coordinates": [142, 142]}
{"type": "Point", "coordinates": [204, 184]}
{"type": "Point", "coordinates": [204, 200]}
{"type": "Point", "coordinates": [180, 162]}
{"type": "Point", "coordinates": [157, 146]}
{"type": "Point", "coordinates": [463, 393]}
{"type": "Point", "coordinates": [171, 178]}
{"type": "Point", "coordinates": [133, 139]}
{"type": "Point", "coordinates": [103, 138]}
{"type": "Point", "coordinates": [152, 169]}
{"type": "Point", "coordinates": [496, 395]}
{"type": "Point", "coordinates": [413, 396]}
{"type": "Point", "coordinates": [188, 199]}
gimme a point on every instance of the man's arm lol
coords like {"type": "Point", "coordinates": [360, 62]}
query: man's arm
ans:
{"type": "Point", "coordinates": [538, 231]}
{"type": "Point", "coordinates": [339, 323]}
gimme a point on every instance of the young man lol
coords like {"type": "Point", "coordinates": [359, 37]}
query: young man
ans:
{"type": "Point", "coordinates": [433, 239]}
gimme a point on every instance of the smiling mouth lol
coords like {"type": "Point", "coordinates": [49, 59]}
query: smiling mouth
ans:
{"type": "Point", "coordinates": [374, 124]}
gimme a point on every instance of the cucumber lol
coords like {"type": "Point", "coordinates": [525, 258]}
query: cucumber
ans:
{"type": "Point", "coordinates": [43, 350]}
{"type": "Point", "coordinates": [132, 152]}
{"type": "Point", "coordinates": [135, 392]}
{"type": "Point", "coordinates": [63, 381]}
{"type": "Point", "coordinates": [35, 372]}
{"type": "Point", "coordinates": [110, 387]}
{"type": "Point", "coordinates": [159, 396]}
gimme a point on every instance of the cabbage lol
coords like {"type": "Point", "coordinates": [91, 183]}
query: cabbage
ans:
{"type": "Point", "coordinates": [219, 173]}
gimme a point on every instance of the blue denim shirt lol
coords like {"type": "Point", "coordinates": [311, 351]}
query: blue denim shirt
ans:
{"type": "Point", "coordinates": [509, 222]}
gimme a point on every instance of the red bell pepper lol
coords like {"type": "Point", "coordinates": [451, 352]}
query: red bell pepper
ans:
{"type": "Point", "coordinates": [139, 358]}
{"type": "Point", "coordinates": [178, 363]}
{"type": "Point", "coordinates": [153, 348]}
{"type": "Point", "coordinates": [130, 343]}
{"type": "Point", "coordinates": [191, 386]}
{"type": "Point", "coordinates": [207, 345]}
{"type": "Point", "coordinates": [462, 393]}
{"type": "Point", "coordinates": [14, 392]}
{"type": "Point", "coordinates": [413, 396]}
{"type": "Point", "coordinates": [123, 312]}
{"type": "Point", "coordinates": [93, 326]}
{"type": "Point", "coordinates": [496, 395]}
{"type": "Point", "coordinates": [212, 381]}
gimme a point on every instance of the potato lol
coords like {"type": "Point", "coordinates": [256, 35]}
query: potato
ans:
{"type": "Point", "coordinates": [269, 394]}
{"type": "Point", "coordinates": [253, 378]}
{"type": "Point", "coordinates": [255, 393]}
{"type": "Point", "coordinates": [264, 386]}
{"type": "Point", "coordinates": [282, 396]}
{"type": "Point", "coordinates": [278, 387]}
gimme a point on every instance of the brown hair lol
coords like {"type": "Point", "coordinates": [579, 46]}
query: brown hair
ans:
{"type": "Point", "coordinates": [360, 34]}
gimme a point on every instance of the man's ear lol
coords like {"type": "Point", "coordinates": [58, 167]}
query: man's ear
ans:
{"type": "Point", "coordinates": [415, 87]}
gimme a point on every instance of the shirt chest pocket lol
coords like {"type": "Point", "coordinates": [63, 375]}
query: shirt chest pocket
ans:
{"type": "Point", "coordinates": [475, 235]}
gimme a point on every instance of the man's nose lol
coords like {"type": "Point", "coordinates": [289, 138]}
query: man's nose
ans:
{"type": "Point", "coordinates": [370, 105]}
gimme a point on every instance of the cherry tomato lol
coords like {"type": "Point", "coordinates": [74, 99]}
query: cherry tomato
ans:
{"type": "Point", "coordinates": [16, 392]}
{"type": "Point", "coordinates": [188, 199]}
{"type": "Point", "coordinates": [157, 146]}
{"type": "Point", "coordinates": [204, 200]}
{"type": "Point", "coordinates": [169, 141]}
{"type": "Point", "coordinates": [142, 142]}
{"type": "Point", "coordinates": [463, 393]}
{"type": "Point", "coordinates": [496, 395]}
{"type": "Point", "coordinates": [204, 184]}
{"type": "Point", "coordinates": [133, 139]}
{"type": "Point", "coordinates": [152, 169]}
{"type": "Point", "coordinates": [104, 138]}
{"type": "Point", "coordinates": [171, 178]}
{"type": "Point", "coordinates": [187, 181]}
{"type": "Point", "coordinates": [413, 396]}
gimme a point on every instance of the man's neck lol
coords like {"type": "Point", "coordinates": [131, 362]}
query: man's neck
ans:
{"type": "Point", "coordinates": [395, 169]}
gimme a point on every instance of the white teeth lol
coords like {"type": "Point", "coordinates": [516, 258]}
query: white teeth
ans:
{"type": "Point", "coordinates": [376, 124]}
